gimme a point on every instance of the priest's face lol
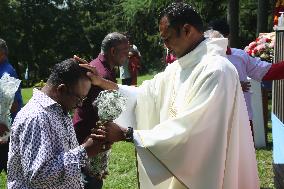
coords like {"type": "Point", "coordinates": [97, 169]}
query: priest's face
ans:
{"type": "Point", "coordinates": [179, 40]}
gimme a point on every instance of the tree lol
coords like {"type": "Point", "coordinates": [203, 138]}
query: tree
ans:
{"type": "Point", "coordinates": [233, 20]}
{"type": "Point", "coordinates": [262, 16]}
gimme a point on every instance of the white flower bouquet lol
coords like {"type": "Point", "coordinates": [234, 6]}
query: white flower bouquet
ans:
{"type": "Point", "coordinates": [110, 104]}
{"type": "Point", "coordinates": [8, 87]}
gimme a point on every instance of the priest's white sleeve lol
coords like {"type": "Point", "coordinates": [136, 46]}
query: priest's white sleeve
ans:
{"type": "Point", "coordinates": [127, 117]}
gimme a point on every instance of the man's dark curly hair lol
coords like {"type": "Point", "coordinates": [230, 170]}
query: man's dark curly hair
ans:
{"type": "Point", "coordinates": [180, 14]}
{"type": "Point", "coordinates": [67, 72]}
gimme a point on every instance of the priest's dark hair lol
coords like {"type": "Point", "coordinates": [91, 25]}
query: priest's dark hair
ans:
{"type": "Point", "coordinates": [180, 14]}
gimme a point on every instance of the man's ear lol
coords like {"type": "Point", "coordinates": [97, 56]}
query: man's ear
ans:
{"type": "Point", "coordinates": [187, 29]}
{"type": "Point", "coordinates": [61, 89]}
{"type": "Point", "coordinates": [112, 51]}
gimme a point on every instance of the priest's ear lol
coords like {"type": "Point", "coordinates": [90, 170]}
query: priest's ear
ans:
{"type": "Point", "coordinates": [187, 29]}
{"type": "Point", "coordinates": [190, 31]}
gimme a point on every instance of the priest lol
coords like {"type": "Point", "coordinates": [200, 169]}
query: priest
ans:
{"type": "Point", "coordinates": [189, 122]}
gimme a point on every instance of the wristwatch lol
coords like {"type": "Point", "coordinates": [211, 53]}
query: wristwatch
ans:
{"type": "Point", "coordinates": [128, 134]}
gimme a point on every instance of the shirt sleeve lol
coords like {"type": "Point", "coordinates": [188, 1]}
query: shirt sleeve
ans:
{"type": "Point", "coordinates": [42, 156]}
{"type": "Point", "coordinates": [256, 68]}
{"type": "Point", "coordinates": [127, 117]}
{"type": "Point", "coordinates": [275, 72]}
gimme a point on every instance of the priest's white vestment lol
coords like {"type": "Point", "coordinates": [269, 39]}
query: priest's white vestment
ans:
{"type": "Point", "coordinates": [192, 124]}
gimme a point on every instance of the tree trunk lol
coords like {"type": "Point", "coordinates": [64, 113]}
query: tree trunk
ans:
{"type": "Point", "coordinates": [262, 16]}
{"type": "Point", "coordinates": [233, 21]}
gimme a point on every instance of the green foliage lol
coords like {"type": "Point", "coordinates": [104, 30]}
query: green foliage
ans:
{"type": "Point", "coordinates": [42, 33]}
{"type": "Point", "coordinates": [39, 85]}
{"type": "Point", "coordinates": [248, 20]}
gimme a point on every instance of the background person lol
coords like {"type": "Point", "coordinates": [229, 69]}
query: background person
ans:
{"type": "Point", "coordinates": [114, 52]}
{"type": "Point", "coordinates": [125, 69]}
{"type": "Point", "coordinates": [248, 66]}
{"type": "Point", "coordinates": [134, 65]}
{"type": "Point", "coordinates": [6, 67]}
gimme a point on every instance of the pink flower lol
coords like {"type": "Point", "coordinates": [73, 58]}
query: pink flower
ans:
{"type": "Point", "coordinates": [249, 52]}
{"type": "Point", "coordinates": [267, 40]}
{"type": "Point", "coordinates": [271, 45]}
{"type": "Point", "coordinates": [260, 47]}
{"type": "Point", "coordinates": [252, 45]}
{"type": "Point", "coordinates": [254, 52]}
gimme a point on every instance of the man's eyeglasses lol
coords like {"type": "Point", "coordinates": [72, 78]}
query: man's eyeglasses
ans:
{"type": "Point", "coordinates": [79, 100]}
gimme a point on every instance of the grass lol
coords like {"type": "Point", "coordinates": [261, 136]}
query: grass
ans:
{"type": "Point", "coordinates": [3, 180]}
{"type": "Point", "coordinates": [122, 167]}
{"type": "Point", "coordinates": [264, 161]}
{"type": "Point", "coordinates": [123, 164]}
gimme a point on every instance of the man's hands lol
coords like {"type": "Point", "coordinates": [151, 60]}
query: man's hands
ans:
{"type": "Point", "coordinates": [245, 86]}
{"type": "Point", "coordinates": [3, 130]}
{"type": "Point", "coordinates": [101, 139]}
{"type": "Point", "coordinates": [96, 143]}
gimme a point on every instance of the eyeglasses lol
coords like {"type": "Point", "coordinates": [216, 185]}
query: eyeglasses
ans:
{"type": "Point", "coordinates": [79, 100]}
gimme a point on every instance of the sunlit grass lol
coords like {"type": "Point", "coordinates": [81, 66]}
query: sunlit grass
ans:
{"type": "Point", "coordinates": [123, 165]}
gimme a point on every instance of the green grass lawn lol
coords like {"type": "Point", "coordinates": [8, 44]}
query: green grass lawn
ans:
{"type": "Point", "coordinates": [123, 166]}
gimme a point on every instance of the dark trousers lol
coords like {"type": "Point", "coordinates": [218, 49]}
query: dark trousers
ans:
{"type": "Point", "coordinates": [92, 182]}
{"type": "Point", "coordinates": [126, 81]}
{"type": "Point", "coordinates": [4, 149]}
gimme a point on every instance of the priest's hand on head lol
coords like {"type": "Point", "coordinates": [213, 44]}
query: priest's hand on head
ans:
{"type": "Point", "coordinates": [114, 133]}
{"type": "Point", "coordinates": [92, 74]}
